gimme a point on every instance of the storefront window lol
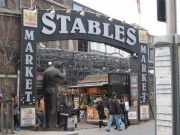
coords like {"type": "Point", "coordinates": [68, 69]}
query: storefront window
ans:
{"type": "Point", "coordinates": [151, 54]}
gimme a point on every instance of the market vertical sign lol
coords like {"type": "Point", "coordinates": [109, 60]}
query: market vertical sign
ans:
{"type": "Point", "coordinates": [28, 58]}
{"type": "Point", "coordinates": [143, 39]}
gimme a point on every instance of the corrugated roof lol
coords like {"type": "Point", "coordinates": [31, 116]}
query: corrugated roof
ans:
{"type": "Point", "coordinates": [93, 81]}
{"type": "Point", "coordinates": [90, 85]}
{"type": "Point", "coordinates": [98, 78]}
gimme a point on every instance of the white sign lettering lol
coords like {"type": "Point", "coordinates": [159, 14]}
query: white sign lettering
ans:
{"type": "Point", "coordinates": [94, 27]}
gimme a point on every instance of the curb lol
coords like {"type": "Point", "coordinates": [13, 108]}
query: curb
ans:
{"type": "Point", "coordinates": [71, 133]}
{"type": "Point", "coordinates": [46, 133]}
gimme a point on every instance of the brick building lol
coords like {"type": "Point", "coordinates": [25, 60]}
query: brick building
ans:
{"type": "Point", "coordinates": [10, 39]}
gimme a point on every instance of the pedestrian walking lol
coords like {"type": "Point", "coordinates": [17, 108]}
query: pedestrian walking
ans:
{"type": "Point", "coordinates": [126, 103]}
{"type": "Point", "coordinates": [63, 112]}
{"type": "Point", "coordinates": [15, 106]}
{"type": "Point", "coordinates": [101, 114]}
{"type": "Point", "coordinates": [114, 112]}
{"type": "Point", "coordinates": [40, 113]}
{"type": "Point", "coordinates": [121, 117]}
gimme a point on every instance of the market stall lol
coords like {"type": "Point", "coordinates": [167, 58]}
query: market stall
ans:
{"type": "Point", "coordinates": [88, 92]}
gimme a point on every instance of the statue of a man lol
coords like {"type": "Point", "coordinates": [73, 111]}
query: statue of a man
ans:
{"type": "Point", "coordinates": [53, 78]}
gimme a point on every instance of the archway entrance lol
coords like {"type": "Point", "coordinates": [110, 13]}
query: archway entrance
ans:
{"type": "Point", "coordinates": [45, 26]}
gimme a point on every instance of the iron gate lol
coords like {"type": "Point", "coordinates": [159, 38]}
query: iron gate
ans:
{"type": "Point", "coordinates": [119, 83]}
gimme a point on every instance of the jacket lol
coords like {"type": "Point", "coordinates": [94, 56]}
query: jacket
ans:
{"type": "Point", "coordinates": [114, 107]}
{"type": "Point", "coordinates": [100, 109]}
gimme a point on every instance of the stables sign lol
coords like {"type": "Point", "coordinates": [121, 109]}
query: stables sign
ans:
{"type": "Point", "coordinates": [44, 26]}
{"type": "Point", "coordinates": [72, 25]}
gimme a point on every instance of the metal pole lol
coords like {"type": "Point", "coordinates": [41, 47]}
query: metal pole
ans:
{"type": "Point", "coordinates": [20, 4]}
{"type": "Point", "coordinates": [12, 117]}
{"type": "Point", "coordinates": [2, 118]}
{"type": "Point", "coordinates": [171, 24]}
{"type": "Point", "coordinates": [75, 121]}
{"type": "Point", "coordinates": [7, 115]}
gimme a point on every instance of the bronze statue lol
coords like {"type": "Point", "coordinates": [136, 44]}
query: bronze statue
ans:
{"type": "Point", "coordinates": [54, 81]}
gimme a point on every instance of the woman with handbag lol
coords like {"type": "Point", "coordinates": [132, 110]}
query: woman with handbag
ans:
{"type": "Point", "coordinates": [100, 109]}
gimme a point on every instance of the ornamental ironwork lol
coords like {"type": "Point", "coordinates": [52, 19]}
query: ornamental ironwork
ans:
{"type": "Point", "coordinates": [77, 65]}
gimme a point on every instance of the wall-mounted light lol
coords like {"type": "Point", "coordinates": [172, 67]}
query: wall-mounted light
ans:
{"type": "Point", "coordinates": [135, 55]}
{"type": "Point", "coordinates": [49, 63]}
{"type": "Point", "coordinates": [34, 9]}
{"type": "Point", "coordinates": [82, 13]}
{"type": "Point", "coordinates": [135, 26]}
{"type": "Point", "coordinates": [98, 15]}
{"type": "Point", "coordinates": [68, 11]}
{"type": "Point", "coordinates": [110, 19]}
{"type": "Point", "coordinates": [52, 10]}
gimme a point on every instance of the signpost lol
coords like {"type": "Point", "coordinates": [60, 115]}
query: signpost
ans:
{"type": "Point", "coordinates": [166, 84]}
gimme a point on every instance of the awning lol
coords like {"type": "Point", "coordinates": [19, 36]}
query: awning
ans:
{"type": "Point", "coordinates": [90, 85]}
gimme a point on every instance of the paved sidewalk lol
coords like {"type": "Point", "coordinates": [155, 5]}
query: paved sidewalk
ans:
{"type": "Point", "coordinates": [83, 128]}
{"type": "Point", "coordinates": [144, 128]}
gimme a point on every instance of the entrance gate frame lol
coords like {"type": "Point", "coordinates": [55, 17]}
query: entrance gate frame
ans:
{"type": "Point", "coordinates": [45, 26]}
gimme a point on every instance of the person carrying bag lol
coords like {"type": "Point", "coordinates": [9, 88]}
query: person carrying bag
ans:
{"type": "Point", "coordinates": [100, 109]}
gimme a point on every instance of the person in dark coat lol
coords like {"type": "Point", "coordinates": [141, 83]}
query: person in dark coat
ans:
{"type": "Point", "coordinates": [114, 112]}
{"type": "Point", "coordinates": [122, 107]}
{"type": "Point", "coordinates": [63, 113]}
{"type": "Point", "coordinates": [101, 114]}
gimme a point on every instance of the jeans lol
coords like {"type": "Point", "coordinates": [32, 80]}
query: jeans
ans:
{"type": "Point", "coordinates": [40, 117]}
{"type": "Point", "coordinates": [63, 123]}
{"type": "Point", "coordinates": [121, 123]}
{"type": "Point", "coordinates": [111, 117]}
{"type": "Point", "coordinates": [127, 123]}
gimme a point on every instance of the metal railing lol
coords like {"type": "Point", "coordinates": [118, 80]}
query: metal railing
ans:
{"type": "Point", "coordinates": [7, 121]}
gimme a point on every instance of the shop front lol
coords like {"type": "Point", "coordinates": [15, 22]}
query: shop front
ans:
{"type": "Point", "coordinates": [86, 94]}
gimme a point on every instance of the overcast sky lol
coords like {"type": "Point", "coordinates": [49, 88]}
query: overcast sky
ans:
{"type": "Point", "coordinates": [127, 10]}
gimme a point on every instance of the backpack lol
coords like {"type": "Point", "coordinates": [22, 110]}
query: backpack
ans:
{"type": "Point", "coordinates": [63, 108]}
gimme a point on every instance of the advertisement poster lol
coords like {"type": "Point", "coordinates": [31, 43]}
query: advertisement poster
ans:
{"type": "Point", "coordinates": [163, 77]}
{"type": "Point", "coordinates": [30, 18]}
{"type": "Point", "coordinates": [28, 117]}
{"type": "Point", "coordinates": [143, 38]}
{"type": "Point", "coordinates": [132, 115]}
{"type": "Point", "coordinates": [90, 113]}
{"type": "Point", "coordinates": [144, 112]}
{"type": "Point", "coordinates": [134, 87]}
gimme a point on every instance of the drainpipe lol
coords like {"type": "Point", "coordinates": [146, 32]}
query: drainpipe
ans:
{"type": "Point", "coordinates": [20, 4]}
